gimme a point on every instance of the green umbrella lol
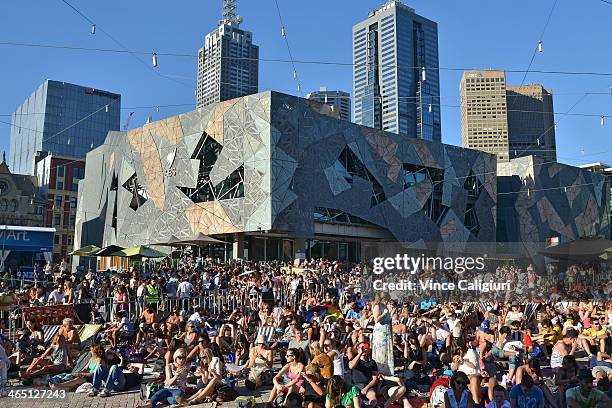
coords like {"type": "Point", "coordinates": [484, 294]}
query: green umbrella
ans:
{"type": "Point", "coordinates": [140, 251]}
{"type": "Point", "coordinates": [85, 251]}
{"type": "Point", "coordinates": [607, 255]}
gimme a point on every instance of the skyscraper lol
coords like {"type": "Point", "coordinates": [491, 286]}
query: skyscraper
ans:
{"type": "Point", "coordinates": [508, 121]}
{"type": "Point", "coordinates": [395, 72]}
{"type": "Point", "coordinates": [531, 122]}
{"type": "Point", "coordinates": [228, 64]}
{"type": "Point", "coordinates": [61, 118]}
{"type": "Point", "coordinates": [484, 120]}
{"type": "Point", "coordinates": [339, 101]}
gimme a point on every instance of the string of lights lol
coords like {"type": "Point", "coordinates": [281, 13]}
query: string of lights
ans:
{"type": "Point", "coordinates": [590, 115]}
{"type": "Point", "coordinates": [539, 46]}
{"type": "Point", "coordinates": [284, 35]}
{"type": "Point", "coordinates": [95, 27]}
{"type": "Point", "coordinates": [312, 62]}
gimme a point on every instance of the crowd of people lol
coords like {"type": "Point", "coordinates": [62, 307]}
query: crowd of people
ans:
{"type": "Point", "coordinates": [311, 336]}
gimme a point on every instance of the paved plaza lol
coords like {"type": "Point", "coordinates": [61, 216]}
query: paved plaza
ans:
{"type": "Point", "coordinates": [117, 400]}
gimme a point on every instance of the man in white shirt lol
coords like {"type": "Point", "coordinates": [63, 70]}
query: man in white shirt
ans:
{"type": "Point", "coordinates": [184, 289]}
{"type": "Point", "coordinates": [196, 317]}
{"type": "Point", "coordinates": [56, 297]}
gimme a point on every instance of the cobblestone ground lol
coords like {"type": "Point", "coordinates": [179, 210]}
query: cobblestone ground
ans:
{"type": "Point", "coordinates": [126, 399]}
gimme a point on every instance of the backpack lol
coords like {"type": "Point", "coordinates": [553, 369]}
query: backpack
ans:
{"type": "Point", "coordinates": [225, 393]}
{"type": "Point", "coordinates": [147, 390]}
{"type": "Point", "coordinates": [437, 391]}
{"type": "Point", "coordinates": [246, 402]}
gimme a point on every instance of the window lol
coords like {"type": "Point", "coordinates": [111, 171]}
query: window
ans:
{"type": "Point", "coordinates": [73, 202]}
{"type": "Point", "coordinates": [72, 220]}
{"type": "Point", "coordinates": [60, 171]}
{"type": "Point", "coordinates": [39, 210]}
{"type": "Point", "coordinates": [78, 173]}
{"type": "Point", "coordinates": [349, 166]}
{"type": "Point", "coordinates": [58, 202]}
{"type": "Point", "coordinates": [75, 186]}
{"type": "Point", "coordinates": [57, 219]}
{"type": "Point", "coordinates": [69, 239]}
{"type": "Point", "coordinates": [56, 239]}
{"type": "Point", "coordinates": [59, 185]}
{"type": "Point", "coordinates": [232, 187]}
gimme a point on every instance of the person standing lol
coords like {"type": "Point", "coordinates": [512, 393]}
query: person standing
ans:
{"type": "Point", "coordinates": [382, 341]}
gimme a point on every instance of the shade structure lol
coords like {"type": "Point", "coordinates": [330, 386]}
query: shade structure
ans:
{"type": "Point", "coordinates": [108, 250]}
{"type": "Point", "coordinates": [200, 239]}
{"type": "Point", "coordinates": [140, 251]}
{"type": "Point", "coordinates": [171, 241]}
{"type": "Point", "coordinates": [88, 250]}
{"type": "Point", "coordinates": [582, 249]}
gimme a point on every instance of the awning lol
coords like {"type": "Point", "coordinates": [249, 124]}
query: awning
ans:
{"type": "Point", "coordinates": [199, 239]}
{"type": "Point", "coordinates": [140, 251]}
{"type": "Point", "coordinates": [167, 242]}
{"type": "Point", "coordinates": [108, 250]}
{"type": "Point", "coordinates": [582, 249]}
{"type": "Point", "coordinates": [88, 250]}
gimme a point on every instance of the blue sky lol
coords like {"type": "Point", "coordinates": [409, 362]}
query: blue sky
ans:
{"type": "Point", "coordinates": [484, 34]}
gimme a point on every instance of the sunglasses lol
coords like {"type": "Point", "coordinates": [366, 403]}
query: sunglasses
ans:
{"type": "Point", "coordinates": [289, 355]}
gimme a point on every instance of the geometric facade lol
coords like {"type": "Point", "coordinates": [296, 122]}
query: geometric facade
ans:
{"type": "Point", "coordinates": [282, 166]}
{"type": "Point", "coordinates": [538, 200]}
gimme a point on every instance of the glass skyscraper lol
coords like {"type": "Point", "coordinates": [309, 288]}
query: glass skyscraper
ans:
{"type": "Point", "coordinates": [396, 84]}
{"type": "Point", "coordinates": [59, 118]}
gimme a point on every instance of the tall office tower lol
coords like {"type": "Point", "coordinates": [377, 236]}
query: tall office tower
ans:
{"type": "Point", "coordinates": [228, 64]}
{"type": "Point", "coordinates": [531, 122]}
{"type": "Point", "coordinates": [339, 101]}
{"type": "Point", "coordinates": [396, 84]}
{"type": "Point", "coordinates": [508, 121]}
{"type": "Point", "coordinates": [484, 121]}
{"type": "Point", "coordinates": [64, 119]}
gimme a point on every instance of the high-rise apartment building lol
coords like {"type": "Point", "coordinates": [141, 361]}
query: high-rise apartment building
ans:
{"type": "Point", "coordinates": [61, 118]}
{"type": "Point", "coordinates": [396, 84]}
{"type": "Point", "coordinates": [339, 101]}
{"type": "Point", "coordinates": [508, 121]}
{"type": "Point", "coordinates": [228, 64]}
{"type": "Point", "coordinates": [531, 122]}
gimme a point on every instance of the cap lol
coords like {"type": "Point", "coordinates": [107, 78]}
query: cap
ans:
{"type": "Point", "coordinates": [484, 326]}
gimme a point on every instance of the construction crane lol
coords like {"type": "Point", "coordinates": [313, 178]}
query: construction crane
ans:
{"type": "Point", "coordinates": [127, 122]}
